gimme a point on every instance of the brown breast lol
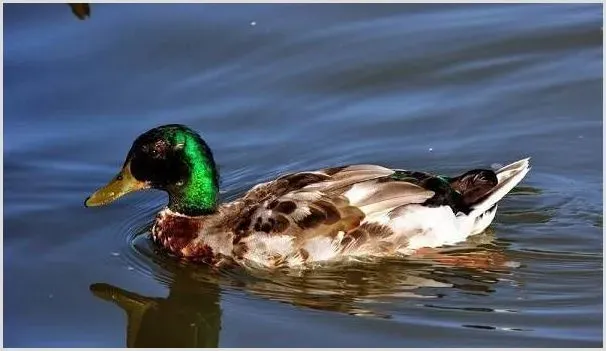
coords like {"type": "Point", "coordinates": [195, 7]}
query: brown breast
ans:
{"type": "Point", "coordinates": [177, 234]}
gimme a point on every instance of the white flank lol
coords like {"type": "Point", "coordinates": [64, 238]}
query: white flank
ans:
{"type": "Point", "coordinates": [265, 246]}
{"type": "Point", "coordinates": [427, 226]}
{"type": "Point", "coordinates": [320, 249]}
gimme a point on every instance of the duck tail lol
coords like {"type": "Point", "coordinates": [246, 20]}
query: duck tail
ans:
{"type": "Point", "coordinates": [483, 189]}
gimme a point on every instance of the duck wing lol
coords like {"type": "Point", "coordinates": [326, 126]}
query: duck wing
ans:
{"type": "Point", "coordinates": [319, 213]}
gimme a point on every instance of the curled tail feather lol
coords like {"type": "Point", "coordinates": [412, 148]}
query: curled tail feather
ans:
{"type": "Point", "coordinates": [508, 177]}
{"type": "Point", "coordinates": [483, 189]}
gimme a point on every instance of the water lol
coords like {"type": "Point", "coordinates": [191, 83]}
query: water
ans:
{"type": "Point", "coordinates": [279, 88]}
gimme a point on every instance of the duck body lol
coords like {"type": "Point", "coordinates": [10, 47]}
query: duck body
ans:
{"type": "Point", "coordinates": [338, 213]}
{"type": "Point", "coordinates": [305, 217]}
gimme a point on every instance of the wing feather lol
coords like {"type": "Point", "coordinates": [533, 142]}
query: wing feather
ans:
{"type": "Point", "coordinates": [332, 203]}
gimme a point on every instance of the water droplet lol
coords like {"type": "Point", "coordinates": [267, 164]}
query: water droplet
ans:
{"type": "Point", "coordinates": [115, 254]}
{"type": "Point", "coordinates": [253, 23]}
{"type": "Point", "coordinates": [130, 268]}
{"type": "Point", "coordinates": [430, 149]}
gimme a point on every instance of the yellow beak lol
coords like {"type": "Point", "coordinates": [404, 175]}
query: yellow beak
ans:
{"type": "Point", "coordinates": [122, 184]}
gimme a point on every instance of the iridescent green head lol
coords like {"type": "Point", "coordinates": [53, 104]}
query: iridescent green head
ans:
{"type": "Point", "coordinates": [172, 158]}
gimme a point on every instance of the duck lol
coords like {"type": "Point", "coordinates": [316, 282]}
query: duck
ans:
{"type": "Point", "coordinates": [305, 218]}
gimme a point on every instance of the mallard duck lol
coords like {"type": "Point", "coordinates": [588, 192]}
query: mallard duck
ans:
{"type": "Point", "coordinates": [305, 217]}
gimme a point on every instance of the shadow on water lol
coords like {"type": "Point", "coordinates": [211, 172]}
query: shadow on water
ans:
{"type": "Point", "coordinates": [190, 316]}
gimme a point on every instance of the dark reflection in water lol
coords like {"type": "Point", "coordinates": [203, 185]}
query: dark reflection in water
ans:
{"type": "Point", "coordinates": [190, 316]}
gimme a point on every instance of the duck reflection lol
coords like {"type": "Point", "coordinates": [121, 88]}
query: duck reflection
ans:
{"type": "Point", "coordinates": [364, 288]}
{"type": "Point", "coordinates": [191, 315]}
